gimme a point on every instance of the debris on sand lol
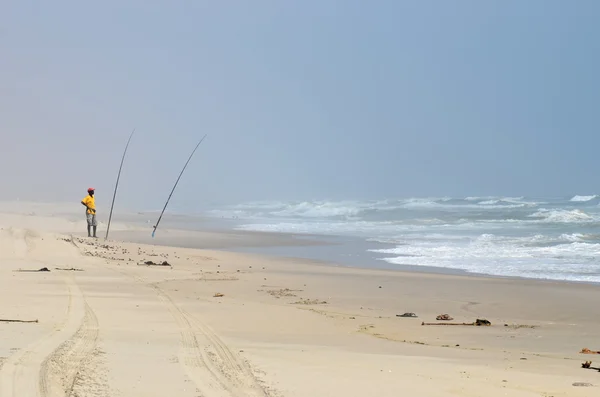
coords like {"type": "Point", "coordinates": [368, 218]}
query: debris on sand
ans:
{"type": "Point", "coordinates": [413, 315]}
{"type": "Point", "coordinates": [284, 292]}
{"type": "Point", "coordinates": [477, 323]}
{"type": "Point", "coordinates": [43, 269]}
{"type": "Point", "coordinates": [586, 364]}
{"type": "Point", "coordinates": [582, 384]}
{"type": "Point", "coordinates": [444, 317]}
{"type": "Point", "coordinates": [5, 320]}
{"type": "Point", "coordinates": [309, 302]}
{"type": "Point", "coordinates": [218, 295]}
{"type": "Point", "coordinates": [585, 350]}
{"type": "Point", "coordinates": [519, 326]}
{"type": "Point", "coordinates": [150, 263]}
{"type": "Point", "coordinates": [71, 269]}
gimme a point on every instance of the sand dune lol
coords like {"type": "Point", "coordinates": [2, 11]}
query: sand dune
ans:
{"type": "Point", "coordinates": [218, 324]}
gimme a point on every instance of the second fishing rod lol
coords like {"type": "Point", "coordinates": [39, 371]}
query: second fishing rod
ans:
{"type": "Point", "coordinates": [175, 186]}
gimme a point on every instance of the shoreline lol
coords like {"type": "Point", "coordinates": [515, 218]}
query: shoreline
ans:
{"type": "Point", "coordinates": [410, 269]}
{"type": "Point", "coordinates": [199, 231]}
{"type": "Point", "coordinates": [210, 233]}
{"type": "Point", "coordinates": [279, 245]}
{"type": "Point", "coordinates": [219, 322]}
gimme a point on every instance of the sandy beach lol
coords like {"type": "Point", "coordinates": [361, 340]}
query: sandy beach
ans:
{"type": "Point", "coordinates": [103, 321]}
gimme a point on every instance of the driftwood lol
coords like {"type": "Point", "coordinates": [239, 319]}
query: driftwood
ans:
{"type": "Point", "coordinates": [72, 269]}
{"type": "Point", "coordinates": [6, 320]}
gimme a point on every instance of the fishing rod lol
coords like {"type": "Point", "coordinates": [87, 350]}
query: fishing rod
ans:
{"type": "Point", "coordinates": [176, 182]}
{"type": "Point", "coordinates": [117, 184]}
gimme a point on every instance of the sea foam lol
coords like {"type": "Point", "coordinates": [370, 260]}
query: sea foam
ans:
{"type": "Point", "coordinates": [556, 238]}
{"type": "Point", "coordinates": [580, 199]}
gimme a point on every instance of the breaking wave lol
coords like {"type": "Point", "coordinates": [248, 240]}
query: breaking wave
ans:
{"type": "Point", "coordinates": [562, 258]}
{"type": "Point", "coordinates": [362, 209]}
{"type": "Point", "coordinates": [557, 238]}
{"type": "Point", "coordinates": [582, 199]}
{"type": "Point", "coordinates": [563, 216]}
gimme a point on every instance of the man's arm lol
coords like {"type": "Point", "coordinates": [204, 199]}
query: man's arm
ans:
{"type": "Point", "coordinates": [84, 202]}
{"type": "Point", "coordinates": [89, 209]}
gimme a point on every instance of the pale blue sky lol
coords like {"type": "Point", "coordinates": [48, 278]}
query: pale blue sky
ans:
{"type": "Point", "coordinates": [301, 99]}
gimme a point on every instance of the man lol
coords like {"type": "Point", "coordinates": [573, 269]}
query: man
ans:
{"type": "Point", "coordinates": [89, 202]}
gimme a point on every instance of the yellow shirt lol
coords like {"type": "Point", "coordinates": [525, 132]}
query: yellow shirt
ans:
{"type": "Point", "coordinates": [90, 201]}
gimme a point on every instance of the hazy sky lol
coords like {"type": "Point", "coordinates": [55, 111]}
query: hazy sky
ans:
{"type": "Point", "coordinates": [307, 99]}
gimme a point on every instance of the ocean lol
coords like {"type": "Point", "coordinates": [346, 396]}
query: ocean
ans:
{"type": "Point", "coordinates": [543, 238]}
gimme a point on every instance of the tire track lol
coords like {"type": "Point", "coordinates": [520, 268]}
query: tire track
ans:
{"type": "Point", "coordinates": [49, 366]}
{"type": "Point", "coordinates": [213, 367]}
{"type": "Point", "coordinates": [209, 363]}
{"type": "Point", "coordinates": [60, 371]}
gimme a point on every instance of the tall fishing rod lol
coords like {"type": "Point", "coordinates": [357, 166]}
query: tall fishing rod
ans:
{"type": "Point", "coordinates": [117, 184]}
{"type": "Point", "coordinates": [176, 182]}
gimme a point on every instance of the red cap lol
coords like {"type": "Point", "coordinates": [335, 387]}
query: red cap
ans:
{"type": "Point", "coordinates": [91, 189]}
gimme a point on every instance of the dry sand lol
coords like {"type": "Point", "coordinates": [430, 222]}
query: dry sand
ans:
{"type": "Point", "coordinates": [112, 326]}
